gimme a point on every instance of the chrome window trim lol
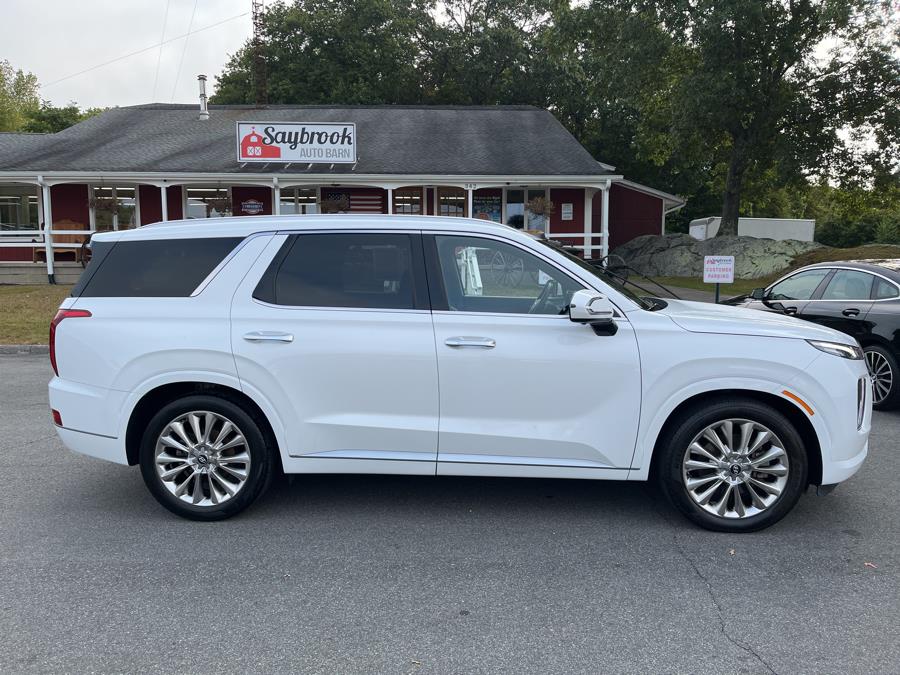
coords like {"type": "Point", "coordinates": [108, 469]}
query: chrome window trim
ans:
{"type": "Point", "coordinates": [382, 310]}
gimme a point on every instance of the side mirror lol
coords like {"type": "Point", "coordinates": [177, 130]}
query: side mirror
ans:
{"type": "Point", "coordinates": [593, 309]}
{"type": "Point", "coordinates": [758, 294]}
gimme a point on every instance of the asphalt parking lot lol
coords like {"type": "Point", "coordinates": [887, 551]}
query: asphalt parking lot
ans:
{"type": "Point", "coordinates": [419, 575]}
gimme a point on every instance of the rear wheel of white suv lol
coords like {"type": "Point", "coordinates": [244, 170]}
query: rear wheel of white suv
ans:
{"type": "Point", "coordinates": [736, 465]}
{"type": "Point", "coordinates": [205, 458]}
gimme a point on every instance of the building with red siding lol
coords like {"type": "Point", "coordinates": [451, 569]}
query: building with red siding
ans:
{"type": "Point", "coordinates": [134, 166]}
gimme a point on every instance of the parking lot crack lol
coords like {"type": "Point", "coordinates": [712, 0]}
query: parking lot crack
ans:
{"type": "Point", "coordinates": [719, 611]}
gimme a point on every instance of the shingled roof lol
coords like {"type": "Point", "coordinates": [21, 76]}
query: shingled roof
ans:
{"type": "Point", "coordinates": [426, 140]}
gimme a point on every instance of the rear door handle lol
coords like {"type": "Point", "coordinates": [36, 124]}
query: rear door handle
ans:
{"type": "Point", "coordinates": [465, 341]}
{"type": "Point", "coordinates": [268, 336]}
{"type": "Point", "coordinates": [850, 311]}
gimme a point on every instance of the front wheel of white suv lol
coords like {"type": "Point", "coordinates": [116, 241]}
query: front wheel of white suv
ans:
{"type": "Point", "coordinates": [736, 465]}
{"type": "Point", "coordinates": [205, 458]}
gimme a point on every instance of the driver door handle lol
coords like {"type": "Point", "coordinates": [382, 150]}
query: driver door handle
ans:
{"type": "Point", "coordinates": [850, 311]}
{"type": "Point", "coordinates": [790, 310]}
{"type": "Point", "coordinates": [465, 341]}
{"type": "Point", "coordinates": [268, 336]}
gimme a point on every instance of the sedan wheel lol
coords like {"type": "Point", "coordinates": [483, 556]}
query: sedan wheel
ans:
{"type": "Point", "coordinates": [735, 468]}
{"type": "Point", "coordinates": [882, 376]}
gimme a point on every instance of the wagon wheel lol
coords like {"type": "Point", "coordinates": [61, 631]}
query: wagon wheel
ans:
{"type": "Point", "coordinates": [507, 270]}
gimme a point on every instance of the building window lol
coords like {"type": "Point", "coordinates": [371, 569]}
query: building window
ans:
{"type": "Point", "coordinates": [18, 209]}
{"type": "Point", "coordinates": [114, 208]}
{"type": "Point", "coordinates": [208, 202]}
{"type": "Point", "coordinates": [298, 201]}
{"type": "Point", "coordinates": [515, 208]}
{"type": "Point", "coordinates": [408, 200]}
{"type": "Point", "coordinates": [452, 202]}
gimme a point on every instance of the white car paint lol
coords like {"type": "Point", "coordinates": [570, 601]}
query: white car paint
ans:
{"type": "Point", "coordinates": [379, 391]}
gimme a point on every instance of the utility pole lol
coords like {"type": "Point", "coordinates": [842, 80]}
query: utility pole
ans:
{"type": "Point", "coordinates": [260, 91]}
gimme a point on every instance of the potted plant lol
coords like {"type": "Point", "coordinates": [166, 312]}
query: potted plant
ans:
{"type": "Point", "coordinates": [105, 204]}
{"type": "Point", "coordinates": [336, 204]}
{"type": "Point", "coordinates": [540, 210]}
{"type": "Point", "coordinates": [221, 205]}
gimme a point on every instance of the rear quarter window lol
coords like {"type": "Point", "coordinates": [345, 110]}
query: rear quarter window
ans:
{"type": "Point", "coordinates": [157, 268]}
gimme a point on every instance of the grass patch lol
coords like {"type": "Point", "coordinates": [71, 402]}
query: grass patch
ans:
{"type": "Point", "coordinates": [27, 311]}
{"type": "Point", "coordinates": [742, 286]}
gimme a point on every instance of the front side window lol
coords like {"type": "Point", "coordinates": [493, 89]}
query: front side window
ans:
{"type": "Point", "coordinates": [800, 286]}
{"type": "Point", "coordinates": [485, 275]}
{"type": "Point", "coordinates": [366, 271]}
{"type": "Point", "coordinates": [849, 285]}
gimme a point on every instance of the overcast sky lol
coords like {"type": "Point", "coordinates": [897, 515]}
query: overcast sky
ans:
{"type": "Point", "coordinates": [55, 39]}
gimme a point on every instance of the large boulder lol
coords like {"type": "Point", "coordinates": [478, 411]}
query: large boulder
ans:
{"type": "Point", "coordinates": [680, 255]}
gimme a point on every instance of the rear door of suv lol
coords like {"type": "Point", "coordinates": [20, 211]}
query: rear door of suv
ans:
{"type": "Point", "coordinates": [334, 330]}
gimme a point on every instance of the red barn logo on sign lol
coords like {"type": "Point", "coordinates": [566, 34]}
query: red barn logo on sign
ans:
{"type": "Point", "coordinates": [252, 147]}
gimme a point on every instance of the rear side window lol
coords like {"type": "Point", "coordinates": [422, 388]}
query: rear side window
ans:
{"type": "Point", "coordinates": [884, 289]}
{"type": "Point", "coordinates": [158, 268]}
{"type": "Point", "coordinates": [366, 271]}
{"type": "Point", "coordinates": [849, 285]}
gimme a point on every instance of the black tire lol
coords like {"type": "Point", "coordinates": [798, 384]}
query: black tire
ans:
{"type": "Point", "coordinates": [892, 400]}
{"type": "Point", "coordinates": [668, 465]}
{"type": "Point", "coordinates": [261, 457]}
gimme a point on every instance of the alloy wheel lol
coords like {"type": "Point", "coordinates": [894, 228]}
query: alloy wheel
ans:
{"type": "Point", "coordinates": [202, 458]}
{"type": "Point", "coordinates": [735, 468]}
{"type": "Point", "coordinates": [882, 376]}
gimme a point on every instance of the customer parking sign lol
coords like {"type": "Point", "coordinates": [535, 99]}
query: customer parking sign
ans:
{"type": "Point", "coordinates": [718, 269]}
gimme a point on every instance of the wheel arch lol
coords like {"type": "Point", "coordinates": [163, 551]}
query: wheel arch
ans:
{"type": "Point", "coordinates": [794, 414]}
{"type": "Point", "coordinates": [159, 396]}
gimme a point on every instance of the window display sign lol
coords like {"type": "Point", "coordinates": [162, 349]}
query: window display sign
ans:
{"type": "Point", "coordinates": [486, 207]}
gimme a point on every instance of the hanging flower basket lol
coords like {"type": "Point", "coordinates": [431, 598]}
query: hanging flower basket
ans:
{"type": "Point", "coordinates": [541, 207]}
{"type": "Point", "coordinates": [220, 205]}
{"type": "Point", "coordinates": [336, 204]}
{"type": "Point", "coordinates": [105, 204]}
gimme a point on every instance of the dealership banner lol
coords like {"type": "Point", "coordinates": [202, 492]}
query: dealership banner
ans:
{"type": "Point", "coordinates": [332, 143]}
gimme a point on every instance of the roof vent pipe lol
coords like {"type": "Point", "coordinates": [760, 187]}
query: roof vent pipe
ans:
{"type": "Point", "coordinates": [204, 111]}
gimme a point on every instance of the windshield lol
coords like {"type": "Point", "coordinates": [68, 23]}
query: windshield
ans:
{"type": "Point", "coordinates": [600, 273]}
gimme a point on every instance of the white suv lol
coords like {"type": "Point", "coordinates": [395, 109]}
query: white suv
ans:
{"type": "Point", "coordinates": [212, 354]}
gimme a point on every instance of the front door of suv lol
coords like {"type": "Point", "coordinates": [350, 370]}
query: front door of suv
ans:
{"type": "Point", "coordinates": [334, 329]}
{"type": "Point", "coordinates": [523, 390]}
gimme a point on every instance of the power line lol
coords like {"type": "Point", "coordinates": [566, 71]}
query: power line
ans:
{"type": "Point", "coordinates": [145, 49]}
{"type": "Point", "coordinates": [183, 50]}
{"type": "Point", "coordinates": [159, 56]}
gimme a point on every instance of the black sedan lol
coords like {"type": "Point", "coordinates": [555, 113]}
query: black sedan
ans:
{"type": "Point", "coordinates": [860, 298]}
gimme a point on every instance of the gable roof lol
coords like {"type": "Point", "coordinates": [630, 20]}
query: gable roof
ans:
{"type": "Point", "coordinates": [427, 140]}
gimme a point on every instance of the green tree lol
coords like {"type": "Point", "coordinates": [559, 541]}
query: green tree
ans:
{"type": "Point", "coordinates": [49, 119]}
{"type": "Point", "coordinates": [18, 96]}
{"type": "Point", "coordinates": [343, 51]}
{"type": "Point", "coordinates": [758, 92]}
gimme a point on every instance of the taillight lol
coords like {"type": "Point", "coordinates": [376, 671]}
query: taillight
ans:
{"type": "Point", "coordinates": [60, 315]}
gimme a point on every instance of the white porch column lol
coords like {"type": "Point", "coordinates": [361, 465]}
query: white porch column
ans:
{"type": "Point", "coordinates": [503, 204]}
{"type": "Point", "coordinates": [276, 197]}
{"type": "Point", "coordinates": [469, 202]}
{"type": "Point", "coordinates": [604, 218]}
{"type": "Point", "coordinates": [588, 220]}
{"type": "Point", "coordinates": [424, 209]}
{"type": "Point", "coordinates": [48, 226]}
{"type": "Point", "coordinates": [164, 202]}
{"type": "Point", "coordinates": [390, 200]}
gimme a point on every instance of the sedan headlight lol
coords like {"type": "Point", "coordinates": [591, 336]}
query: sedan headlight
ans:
{"type": "Point", "coordinates": [838, 349]}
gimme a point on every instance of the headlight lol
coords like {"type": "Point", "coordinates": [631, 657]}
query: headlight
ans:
{"type": "Point", "coordinates": [838, 349]}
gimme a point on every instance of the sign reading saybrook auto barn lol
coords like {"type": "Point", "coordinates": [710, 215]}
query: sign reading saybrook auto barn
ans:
{"type": "Point", "coordinates": [333, 143]}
